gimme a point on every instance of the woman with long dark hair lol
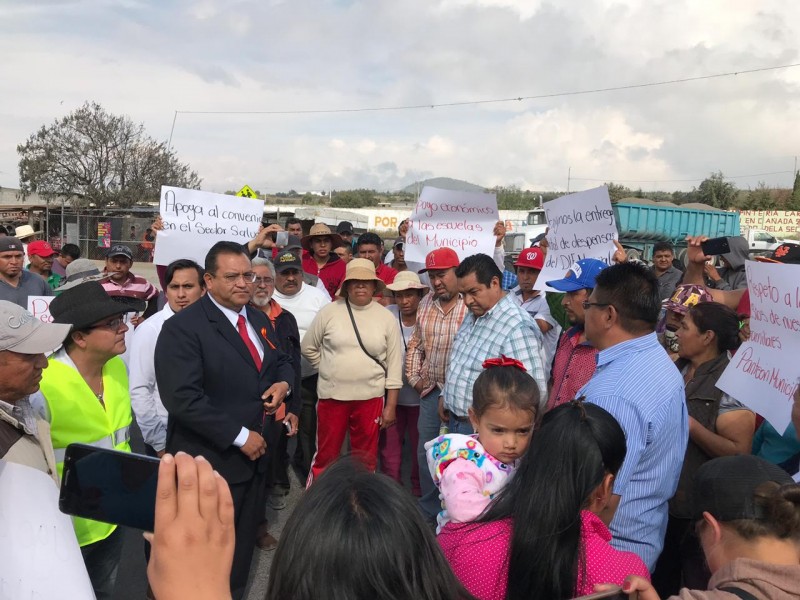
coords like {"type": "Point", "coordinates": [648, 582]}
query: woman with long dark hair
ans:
{"type": "Point", "coordinates": [356, 535]}
{"type": "Point", "coordinates": [542, 538]}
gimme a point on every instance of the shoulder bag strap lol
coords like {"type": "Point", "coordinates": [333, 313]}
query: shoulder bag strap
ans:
{"type": "Point", "coordinates": [738, 593]}
{"type": "Point", "coordinates": [358, 335]}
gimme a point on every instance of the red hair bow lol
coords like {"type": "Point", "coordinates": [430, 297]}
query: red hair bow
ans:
{"type": "Point", "coordinates": [504, 361]}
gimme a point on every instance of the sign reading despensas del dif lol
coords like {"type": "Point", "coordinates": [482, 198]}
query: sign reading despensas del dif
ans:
{"type": "Point", "coordinates": [463, 221]}
{"type": "Point", "coordinates": [194, 221]}
{"type": "Point", "coordinates": [763, 374]}
{"type": "Point", "coordinates": [580, 225]}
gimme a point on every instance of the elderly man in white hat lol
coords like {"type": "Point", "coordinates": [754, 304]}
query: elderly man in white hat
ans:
{"type": "Point", "coordinates": [355, 344]}
{"type": "Point", "coordinates": [407, 290]}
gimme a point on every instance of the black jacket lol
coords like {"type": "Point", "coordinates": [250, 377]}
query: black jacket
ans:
{"type": "Point", "coordinates": [211, 388]}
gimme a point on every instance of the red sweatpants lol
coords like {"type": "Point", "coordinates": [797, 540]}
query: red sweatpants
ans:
{"type": "Point", "coordinates": [335, 418]}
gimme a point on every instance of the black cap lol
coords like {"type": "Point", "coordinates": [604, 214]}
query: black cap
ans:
{"type": "Point", "coordinates": [726, 487]}
{"type": "Point", "coordinates": [287, 260]}
{"type": "Point", "coordinates": [344, 227]}
{"type": "Point", "coordinates": [120, 250]}
{"type": "Point", "coordinates": [9, 243]}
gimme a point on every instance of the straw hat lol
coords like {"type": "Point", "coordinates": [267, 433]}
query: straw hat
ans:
{"type": "Point", "coordinates": [361, 269]}
{"type": "Point", "coordinates": [406, 280]}
{"type": "Point", "coordinates": [24, 231]}
{"type": "Point", "coordinates": [321, 230]}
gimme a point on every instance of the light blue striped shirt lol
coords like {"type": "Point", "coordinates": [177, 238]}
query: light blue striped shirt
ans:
{"type": "Point", "coordinates": [637, 383]}
{"type": "Point", "coordinates": [506, 328]}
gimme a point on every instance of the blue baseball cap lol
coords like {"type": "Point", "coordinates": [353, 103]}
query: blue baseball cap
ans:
{"type": "Point", "coordinates": [581, 276]}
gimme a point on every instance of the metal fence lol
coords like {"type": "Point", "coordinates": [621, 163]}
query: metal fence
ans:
{"type": "Point", "coordinates": [94, 231]}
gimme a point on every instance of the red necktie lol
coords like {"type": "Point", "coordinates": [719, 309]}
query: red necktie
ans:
{"type": "Point", "coordinates": [241, 325]}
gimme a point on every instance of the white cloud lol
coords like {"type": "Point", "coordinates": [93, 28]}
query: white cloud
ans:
{"type": "Point", "coordinates": [148, 60]}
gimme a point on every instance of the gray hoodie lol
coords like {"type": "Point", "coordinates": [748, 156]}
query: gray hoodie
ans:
{"type": "Point", "coordinates": [734, 278]}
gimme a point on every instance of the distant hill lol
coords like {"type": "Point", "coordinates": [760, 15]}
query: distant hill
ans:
{"type": "Point", "coordinates": [445, 183]}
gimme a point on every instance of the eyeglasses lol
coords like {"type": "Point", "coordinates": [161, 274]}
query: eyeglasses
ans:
{"type": "Point", "coordinates": [586, 304]}
{"type": "Point", "coordinates": [264, 281]}
{"type": "Point", "coordinates": [231, 278]}
{"type": "Point", "coordinates": [113, 325]}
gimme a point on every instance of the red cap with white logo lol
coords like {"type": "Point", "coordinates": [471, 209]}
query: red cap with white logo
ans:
{"type": "Point", "coordinates": [441, 258]}
{"type": "Point", "coordinates": [533, 258]}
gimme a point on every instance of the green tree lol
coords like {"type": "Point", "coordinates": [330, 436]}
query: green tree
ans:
{"type": "Point", "coordinates": [794, 201]}
{"type": "Point", "coordinates": [760, 198]}
{"type": "Point", "coordinates": [717, 192]}
{"type": "Point", "coordinates": [617, 191]}
{"type": "Point", "coordinates": [95, 157]}
{"type": "Point", "coordinates": [513, 198]}
{"type": "Point", "coordinates": [354, 199]}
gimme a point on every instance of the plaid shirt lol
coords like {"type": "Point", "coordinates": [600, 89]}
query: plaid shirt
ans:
{"type": "Point", "coordinates": [429, 348]}
{"type": "Point", "coordinates": [507, 329]}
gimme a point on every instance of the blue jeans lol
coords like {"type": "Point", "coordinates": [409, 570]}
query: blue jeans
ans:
{"type": "Point", "coordinates": [462, 427]}
{"type": "Point", "coordinates": [428, 426]}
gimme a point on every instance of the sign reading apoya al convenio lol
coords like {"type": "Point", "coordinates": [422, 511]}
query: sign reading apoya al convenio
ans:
{"type": "Point", "coordinates": [194, 221]}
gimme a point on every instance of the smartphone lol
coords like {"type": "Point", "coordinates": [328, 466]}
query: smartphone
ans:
{"type": "Point", "coordinates": [716, 246]}
{"type": "Point", "coordinates": [110, 486]}
{"type": "Point", "coordinates": [615, 594]}
{"type": "Point", "coordinates": [282, 238]}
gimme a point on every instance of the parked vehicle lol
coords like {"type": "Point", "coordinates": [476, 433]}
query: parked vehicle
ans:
{"type": "Point", "coordinates": [642, 223]}
{"type": "Point", "coordinates": [760, 241]}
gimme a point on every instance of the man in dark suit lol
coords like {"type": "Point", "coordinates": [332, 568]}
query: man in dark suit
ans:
{"type": "Point", "coordinates": [221, 379]}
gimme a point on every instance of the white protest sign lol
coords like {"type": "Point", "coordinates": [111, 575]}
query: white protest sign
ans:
{"type": "Point", "coordinates": [463, 221]}
{"type": "Point", "coordinates": [194, 221]}
{"type": "Point", "coordinates": [39, 554]}
{"type": "Point", "coordinates": [763, 373]}
{"type": "Point", "coordinates": [580, 225]}
{"type": "Point", "coordinates": [39, 307]}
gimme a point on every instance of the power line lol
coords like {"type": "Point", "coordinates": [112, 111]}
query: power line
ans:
{"type": "Point", "coordinates": [677, 180]}
{"type": "Point", "coordinates": [490, 101]}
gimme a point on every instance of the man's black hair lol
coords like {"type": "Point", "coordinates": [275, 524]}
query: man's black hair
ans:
{"type": "Point", "coordinates": [70, 250]}
{"type": "Point", "coordinates": [369, 238]}
{"type": "Point", "coordinates": [632, 289]}
{"type": "Point", "coordinates": [663, 247]}
{"type": "Point", "coordinates": [184, 263]}
{"type": "Point", "coordinates": [483, 266]}
{"type": "Point", "coordinates": [222, 248]}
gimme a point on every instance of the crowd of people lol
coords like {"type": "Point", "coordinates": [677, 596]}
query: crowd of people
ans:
{"type": "Point", "coordinates": [559, 441]}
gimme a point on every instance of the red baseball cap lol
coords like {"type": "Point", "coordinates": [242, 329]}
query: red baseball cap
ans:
{"type": "Point", "coordinates": [441, 258]}
{"type": "Point", "coordinates": [533, 258]}
{"type": "Point", "coordinates": [41, 248]}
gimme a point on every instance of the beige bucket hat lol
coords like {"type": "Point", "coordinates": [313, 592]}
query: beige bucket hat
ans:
{"type": "Point", "coordinates": [24, 231]}
{"type": "Point", "coordinates": [321, 230]}
{"type": "Point", "coordinates": [361, 269]}
{"type": "Point", "coordinates": [406, 280]}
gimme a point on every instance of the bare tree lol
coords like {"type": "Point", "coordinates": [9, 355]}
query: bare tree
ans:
{"type": "Point", "coordinates": [97, 158]}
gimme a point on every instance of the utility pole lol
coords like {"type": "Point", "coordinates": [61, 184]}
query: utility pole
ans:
{"type": "Point", "coordinates": [569, 175]}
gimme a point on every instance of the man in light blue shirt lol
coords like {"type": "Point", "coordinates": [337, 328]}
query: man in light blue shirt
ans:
{"type": "Point", "coordinates": [496, 324]}
{"type": "Point", "coordinates": [637, 383]}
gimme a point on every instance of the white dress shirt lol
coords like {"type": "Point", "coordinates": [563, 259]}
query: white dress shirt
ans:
{"type": "Point", "coordinates": [145, 400]}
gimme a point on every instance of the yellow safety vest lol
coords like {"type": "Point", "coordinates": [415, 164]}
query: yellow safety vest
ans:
{"type": "Point", "coordinates": [77, 416]}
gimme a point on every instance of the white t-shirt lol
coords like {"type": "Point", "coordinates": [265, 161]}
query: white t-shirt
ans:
{"type": "Point", "coordinates": [304, 306]}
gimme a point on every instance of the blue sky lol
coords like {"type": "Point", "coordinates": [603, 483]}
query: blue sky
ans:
{"type": "Point", "coordinates": [149, 59]}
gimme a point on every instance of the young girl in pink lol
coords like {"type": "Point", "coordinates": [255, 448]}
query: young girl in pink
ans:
{"type": "Point", "coordinates": [545, 537]}
{"type": "Point", "coordinates": [471, 469]}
